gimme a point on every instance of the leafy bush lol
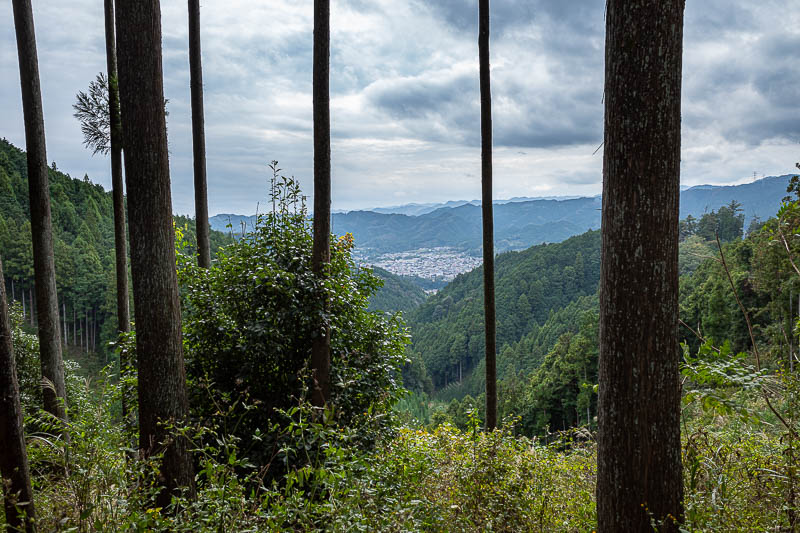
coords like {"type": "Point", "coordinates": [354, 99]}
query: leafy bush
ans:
{"type": "Point", "coordinates": [249, 323]}
{"type": "Point", "coordinates": [734, 478]}
{"type": "Point", "coordinates": [26, 356]}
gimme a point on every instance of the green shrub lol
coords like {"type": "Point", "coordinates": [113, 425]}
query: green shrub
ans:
{"type": "Point", "coordinates": [249, 323]}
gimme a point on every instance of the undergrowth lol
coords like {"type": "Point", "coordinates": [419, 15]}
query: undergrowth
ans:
{"type": "Point", "coordinates": [440, 480]}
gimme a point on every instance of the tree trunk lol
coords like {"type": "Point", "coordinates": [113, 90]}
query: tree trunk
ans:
{"type": "Point", "coordinates": [198, 137]}
{"type": "Point", "coordinates": [162, 378]}
{"type": "Point", "coordinates": [120, 237]}
{"type": "Point", "coordinates": [16, 479]}
{"type": "Point", "coordinates": [321, 251]}
{"type": "Point", "coordinates": [488, 219]}
{"type": "Point", "coordinates": [639, 448]}
{"type": "Point", "coordinates": [41, 225]}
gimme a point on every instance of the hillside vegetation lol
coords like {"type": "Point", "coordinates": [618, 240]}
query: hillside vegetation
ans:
{"type": "Point", "coordinates": [398, 293]}
{"type": "Point", "coordinates": [83, 227]}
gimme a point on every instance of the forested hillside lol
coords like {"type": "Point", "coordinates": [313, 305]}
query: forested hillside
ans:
{"type": "Point", "coordinates": [83, 226]}
{"type": "Point", "coordinates": [448, 329]}
{"type": "Point", "coordinates": [548, 313]}
{"type": "Point", "coordinates": [397, 294]}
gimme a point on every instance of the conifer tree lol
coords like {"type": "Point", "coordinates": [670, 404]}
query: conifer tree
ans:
{"type": "Point", "coordinates": [321, 251]}
{"type": "Point", "coordinates": [115, 135]}
{"type": "Point", "coordinates": [639, 475]}
{"type": "Point", "coordinates": [488, 220]}
{"type": "Point", "coordinates": [162, 378]}
{"type": "Point", "coordinates": [120, 229]}
{"type": "Point", "coordinates": [198, 137]}
{"type": "Point", "coordinates": [54, 392]}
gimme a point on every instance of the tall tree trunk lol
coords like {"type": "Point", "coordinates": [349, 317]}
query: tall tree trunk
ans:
{"type": "Point", "coordinates": [41, 224]}
{"type": "Point", "coordinates": [16, 479]}
{"type": "Point", "coordinates": [488, 219]}
{"type": "Point", "coordinates": [198, 137]}
{"type": "Point", "coordinates": [321, 251]}
{"type": "Point", "coordinates": [639, 449]}
{"type": "Point", "coordinates": [120, 237]}
{"type": "Point", "coordinates": [162, 378]}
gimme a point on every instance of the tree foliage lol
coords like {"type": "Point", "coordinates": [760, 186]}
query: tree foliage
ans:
{"type": "Point", "coordinates": [91, 110]}
{"type": "Point", "coordinates": [250, 319]}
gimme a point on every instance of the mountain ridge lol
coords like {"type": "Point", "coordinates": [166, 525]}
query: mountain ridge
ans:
{"type": "Point", "coordinates": [520, 224]}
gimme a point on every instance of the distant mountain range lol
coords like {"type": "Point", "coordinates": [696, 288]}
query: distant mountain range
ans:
{"type": "Point", "coordinates": [422, 209]}
{"type": "Point", "coordinates": [519, 222]}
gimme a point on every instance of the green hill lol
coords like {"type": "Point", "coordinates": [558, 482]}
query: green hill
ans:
{"type": "Point", "coordinates": [447, 330]}
{"type": "Point", "coordinates": [397, 294]}
{"type": "Point", "coordinates": [83, 227]}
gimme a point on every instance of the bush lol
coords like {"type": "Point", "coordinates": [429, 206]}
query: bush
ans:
{"type": "Point", "coordinates": [249, 323]}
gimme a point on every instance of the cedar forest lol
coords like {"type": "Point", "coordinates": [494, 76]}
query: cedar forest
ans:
{"type": "Point", "coordinates": [157, 375]}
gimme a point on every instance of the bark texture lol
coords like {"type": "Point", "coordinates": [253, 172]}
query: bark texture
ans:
{"type": "Point", "coordinates": [198, 137]}
{"type": "Point", "coordinates": [41, 221]}
{"type": "Point", "coordinates": [16, 479]}
{"type": "Point", "coordinates": [162, 378]}
{"type": "Point", "coordinates": [488, 218]}
{"type": "Point", "coordinates": [321, 251]}
{"type": "Point", "coordinates": [639, 450]}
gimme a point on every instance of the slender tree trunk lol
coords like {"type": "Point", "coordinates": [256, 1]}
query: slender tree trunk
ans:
{"type": "Point", "coordinates": [41, 225]}
{"type": "Point", "coordinates": [24, 308]}
{"type": "Point", "coordinates": [198, 137]}
{"type": "Point", "coordinates": [33, 320]}
{"type": "Point", "coordinates": [321, 251]}
{"type": "Point", "coordinates": [64, 311]}
{"type": "Point", "coordinates": [488, 219]}
{"type": "Point", "coordinates": [120, 237]}
{"type": "Point", "coordinates": [639, 450]}
{"type": "Point", "coordinates": [162, 378]}
{"type": "Point", "coordinates": [16, 479]}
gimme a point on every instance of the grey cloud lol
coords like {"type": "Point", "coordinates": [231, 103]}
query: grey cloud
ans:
{"type": "Point", "coordinates": [462, 15]}
{"type": "Point", "coordinates": [578, 178]}
{"type": "Point", "coordinates": [405, 91]}
{"type": "Point", "coordinates": [748, 94]}
{"type": "Point", "coordinates": [711, 20]}
{"type": "Point", "coordinates": [419, 97]}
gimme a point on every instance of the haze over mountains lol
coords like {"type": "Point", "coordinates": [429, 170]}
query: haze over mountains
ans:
{"type": "Point", "coordinates": [519, 222]}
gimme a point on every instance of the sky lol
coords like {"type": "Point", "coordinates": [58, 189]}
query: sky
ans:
{"type": "Point", "coordinates": [405, 110]}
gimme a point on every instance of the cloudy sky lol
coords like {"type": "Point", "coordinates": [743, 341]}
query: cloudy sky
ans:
{"type": "Point", "coordinates": [404, 95]}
